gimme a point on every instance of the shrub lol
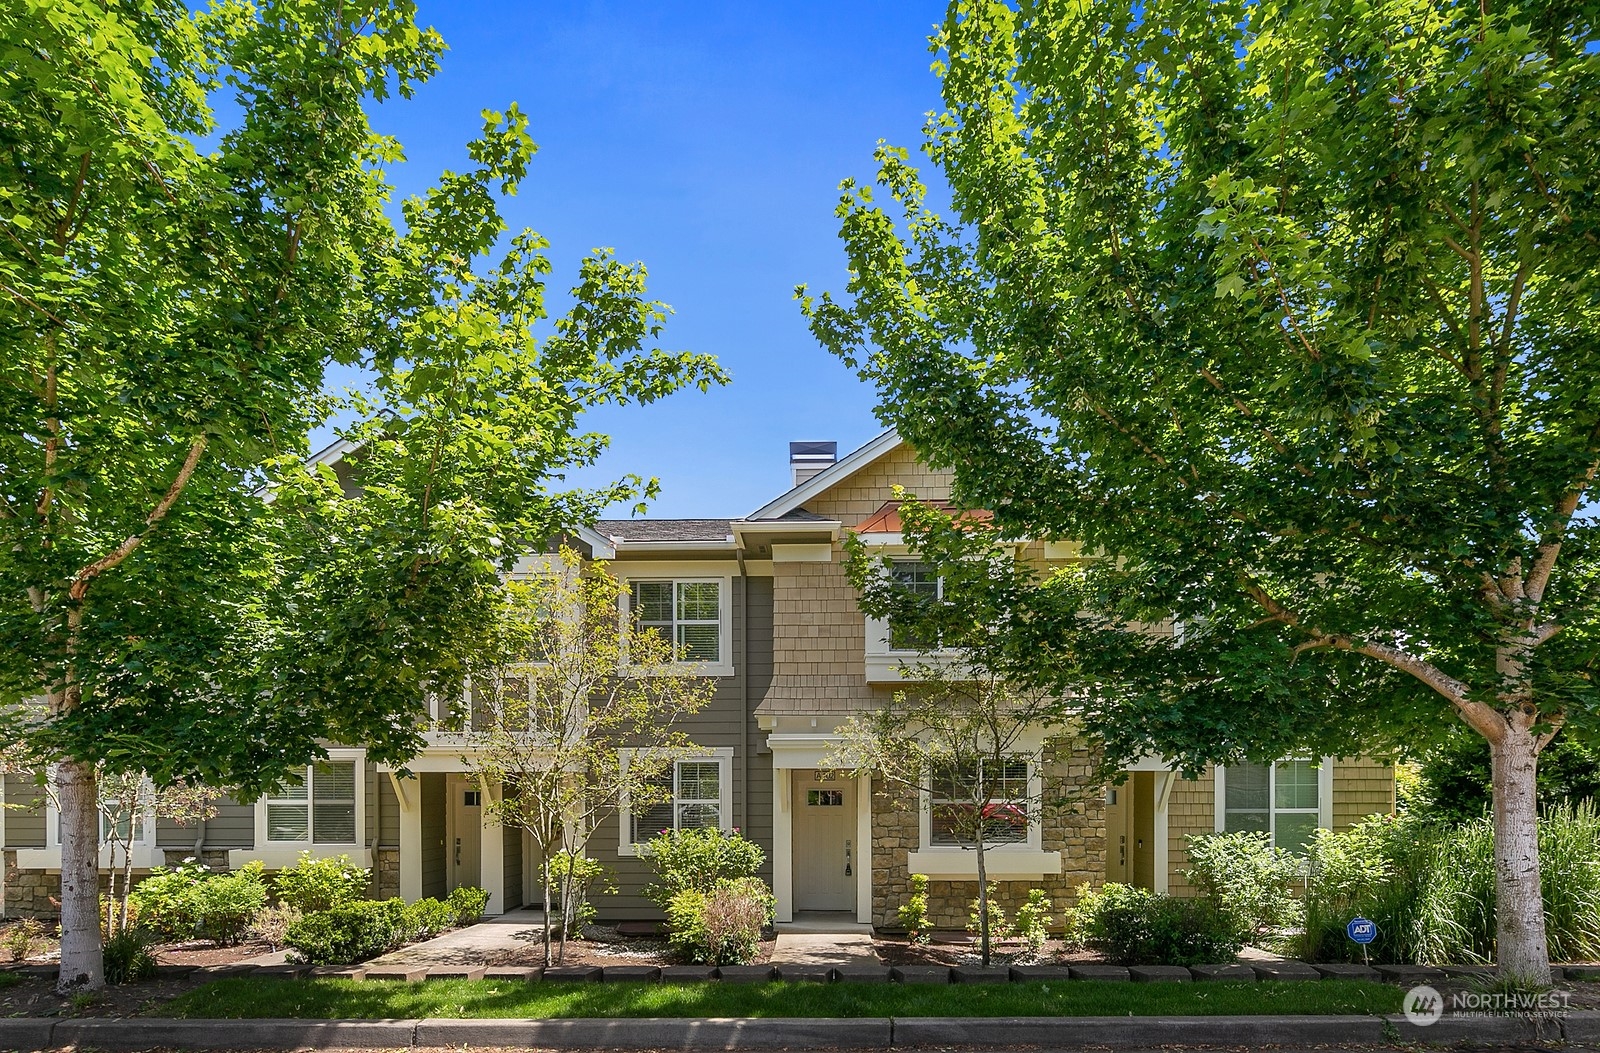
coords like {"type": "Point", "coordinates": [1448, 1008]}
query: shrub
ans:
{"type": "Point", "coordinates": [272, 925]}
{"type": "Point", "coordinates": [723, 926]}
{"type": "Point", "coordinates": [128, 958]}
{"type": "Point", "coordinates": [22, 938]}
{"type": "Point", "coordinates": [229, 903]}
{"type": "Point", "coordinates": [351, 932]}
{"type": "Point", "coordinates": [166, 903]}
{"type": "Point", "coordinates": [914, 913]}
{"type": "Point", "coordinates": [425, 919]}
{"type": "Point", "coordinates": [468, 902]}
{"type": "Point", "coordinates": [1033, 919]}
{"type": "Point", "coordinates": [999, 927]}
{"type": "Point", "coordinates": [699, 860]}
{"type": "Point", "coordinates": [1430, 888]}
{"type": "Point", "coordinates": [1134, 926]}
{"type": "Point", "coordinates": [312, 885]}
{"type": "Point", "coordinates": [581, 873]}
{"type": "Point", "coordinates": [1248, 878]}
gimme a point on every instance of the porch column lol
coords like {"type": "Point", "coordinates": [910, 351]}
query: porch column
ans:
{"type": "Point", "coordinates": [782, 844]}
{"type": "Point", "coordinates": [408, 792]}
{"type": "Point", "coordinates": [861, 858]}
{"type": "Point", "coordinates": [1163, 831]}
{"type": "Point", "coordinates": [492, 851]}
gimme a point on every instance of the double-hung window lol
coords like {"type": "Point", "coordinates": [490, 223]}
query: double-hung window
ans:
{"type": "Point", "coordinates": [687, 613]}
{"type": "Point", "coordinates": [1283, 799]}
{"type": "Point", "coordinates": [924, 583]}
{"type": "Point", "coordinates": [315, 805]}
{"type": "Point", "coordinates": [964, 796]}
{"type": "Point", "coordinates": [698, 788]}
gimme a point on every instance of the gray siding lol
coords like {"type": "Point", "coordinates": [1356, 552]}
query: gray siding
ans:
{"type": "Point", "coordinates": [513, 865]}
{"type": "Point", "coordinates": [723, 723]}
{"type": "Point", "coordinates": [432, 791]}
{"type": "Point", "coordinates": [234, 826]}
{"type": "Point", "coordinates": [388, 806]}
{"type": "Point", "coordinates": [24, 812]}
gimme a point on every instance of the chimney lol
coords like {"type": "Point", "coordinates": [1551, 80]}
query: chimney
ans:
{"type": "Point", "coordinates": [806, 459]}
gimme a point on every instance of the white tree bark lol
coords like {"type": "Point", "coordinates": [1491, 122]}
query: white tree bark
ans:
{"type": "Point", "coordinates": [81, 958]}
{"type": "Point", "coordinates": [1520, 944]}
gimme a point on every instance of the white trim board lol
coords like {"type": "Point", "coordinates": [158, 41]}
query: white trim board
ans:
{"type": "Point", "coordinates": [840, 469]}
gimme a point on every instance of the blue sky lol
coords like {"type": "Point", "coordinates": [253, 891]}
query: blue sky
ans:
{"type": "Point", "coordinates": [706, 140]}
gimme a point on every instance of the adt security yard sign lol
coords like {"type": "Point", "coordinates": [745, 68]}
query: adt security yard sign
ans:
{"type": "Point", "coordinates": [1362, 931]}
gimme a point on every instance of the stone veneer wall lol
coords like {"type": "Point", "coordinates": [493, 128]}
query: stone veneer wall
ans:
{"type": "Point", "coordinates": [1077, 831]}
{"type": "Point", "coordinates": [28, 892]}
{"type": "Point", "coordinates": [386, 872]}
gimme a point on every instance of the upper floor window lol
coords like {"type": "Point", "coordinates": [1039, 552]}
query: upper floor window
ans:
{"type": "Point", "coordinates": [1284, 799]}
{"type": "Point", "coordinates": [688, 613]}
{"type": "Point", "coordinates": [316, 805]}
{"type": "Point", "coordinates": [925, 583]}
{"type": "Point", "coordinates": [998, 797]}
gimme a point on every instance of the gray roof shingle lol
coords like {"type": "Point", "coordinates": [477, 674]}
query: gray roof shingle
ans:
{"type": "Point", "coordinates": [665, 529]}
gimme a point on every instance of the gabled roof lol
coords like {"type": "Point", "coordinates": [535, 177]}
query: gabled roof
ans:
{"type": "Point", "coordinates": [790, 502]}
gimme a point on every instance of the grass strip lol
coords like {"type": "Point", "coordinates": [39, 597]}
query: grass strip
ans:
{"type": "Point", "coordinates": [334, 999]}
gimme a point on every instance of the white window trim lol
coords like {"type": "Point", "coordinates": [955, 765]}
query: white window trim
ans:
{"type": "Point", "coordinates": [687, 573]}
{"type": "Point", "coordinates": [722, 756]}
{"type": "Point", "coordinates": [278, 854]}
{"type": "Point", "coordinates": [1219, 805]}
{"type": "Point", "coordinates": [143, 851]}
{"type": "Point", "coordinates": [1034, 840]}
{"type": "Point", "coordinates": [883, 663]}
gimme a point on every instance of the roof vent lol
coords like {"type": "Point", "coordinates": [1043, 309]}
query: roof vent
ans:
{"type": "Point", "coordinates": [807, 459]}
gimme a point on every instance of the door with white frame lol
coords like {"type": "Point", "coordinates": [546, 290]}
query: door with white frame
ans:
{"type": "Point", "coordinates": [825, 853]}
{"type": "Point", "coordinates": [465, 847]}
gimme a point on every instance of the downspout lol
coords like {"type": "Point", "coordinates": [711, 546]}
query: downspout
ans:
{"type": "Point", "coordinates": [744, 693]}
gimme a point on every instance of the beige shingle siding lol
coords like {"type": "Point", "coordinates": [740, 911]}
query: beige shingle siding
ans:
{"type": "Point", "coordinates": [1191, 809]}
{"type": "Point", "coordinates": [1361, 787]}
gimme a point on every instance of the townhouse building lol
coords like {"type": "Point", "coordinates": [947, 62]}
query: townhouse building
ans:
{"type": "Point", "coordinates": [762, 604]}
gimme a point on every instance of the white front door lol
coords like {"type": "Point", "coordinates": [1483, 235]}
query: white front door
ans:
{"type": "Point", "coordinates": [466, 831]}
{"type": "Point", "coordinates": [825, 853]}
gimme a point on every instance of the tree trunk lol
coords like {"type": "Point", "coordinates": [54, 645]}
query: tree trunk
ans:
{"type": "Point", "coordinates": [545, 870]}
{"type": "Point", "coordinates": [81, 958]}
{"type": "Point", "coordinates": [1520, 946]}
{"type": "Point", "coordinates": [983, 905]}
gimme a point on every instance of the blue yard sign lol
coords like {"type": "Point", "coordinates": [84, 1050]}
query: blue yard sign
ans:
{"type": "Point", "coordinates": [1362, 931]}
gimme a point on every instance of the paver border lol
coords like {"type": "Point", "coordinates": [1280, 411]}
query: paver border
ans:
{"type": "Point", "coordinates": [710, 1034]}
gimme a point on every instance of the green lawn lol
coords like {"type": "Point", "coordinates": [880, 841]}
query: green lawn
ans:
{"type": "Point", "coordinates": [327, 998]}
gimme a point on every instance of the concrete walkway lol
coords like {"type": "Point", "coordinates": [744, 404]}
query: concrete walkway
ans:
{"type": "Point", "coordinates": [486, 943]}
{"type": "Point", "coordinates": [824, 939]}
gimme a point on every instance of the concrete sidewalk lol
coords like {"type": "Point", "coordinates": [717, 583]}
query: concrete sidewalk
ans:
{"type": "Point", "coordinates": [1054, 1033]}
{"type": "Point", "coordinates": [488, 942]}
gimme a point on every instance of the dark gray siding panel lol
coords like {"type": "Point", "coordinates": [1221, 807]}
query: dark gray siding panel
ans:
{"type": "Point", "coordinates": [234, 825]}
{"type": "Point", "coordinates": [24, 812]}
{"type": "Point", "coordinates": [725, 723]}
{"type": "Point", "coordinates": [513, 865]}
{"type": "Point", "coordinates": [433, 834]}
{"type": "Point", "coordinates": [389, 807]}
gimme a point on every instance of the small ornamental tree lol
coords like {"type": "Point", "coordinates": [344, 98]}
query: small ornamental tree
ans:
{"type": "Point", "coordinates": [964, 740]}
{"type": "Point", "coordinates": [127, 801]}
{"type": "Point", "coordinates": [576, 712]}
{"type": "Point", "coordinates": [1290, 310]}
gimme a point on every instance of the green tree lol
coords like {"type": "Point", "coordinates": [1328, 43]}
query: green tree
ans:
{"type": "Point", "coordinates": [1451, 781]}
{"type": "Point", "coordinates": [173, 286]}
{"type": "Point", "coordinates": [575, 713]}
{"type": "Point", "coordinates": [1291, 310]}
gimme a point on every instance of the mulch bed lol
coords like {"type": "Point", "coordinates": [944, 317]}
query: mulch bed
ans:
{"type": "Point", "coordinates": [604, 945]}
